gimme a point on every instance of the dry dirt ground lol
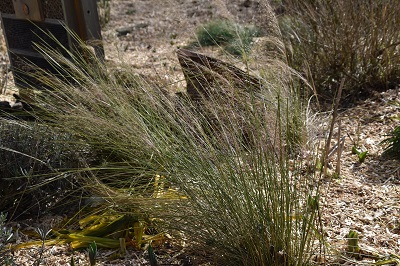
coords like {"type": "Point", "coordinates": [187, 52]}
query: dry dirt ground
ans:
{"type": "Point", "coordinates": [365, 197]}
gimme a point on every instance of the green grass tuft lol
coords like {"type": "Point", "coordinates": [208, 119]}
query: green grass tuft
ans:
{"type": "Point", "coordinates": [216, 33]}
{"type": "Point", "coordinates": [234, 38]}
{"type": "Point", "coordinates": [392, 143]}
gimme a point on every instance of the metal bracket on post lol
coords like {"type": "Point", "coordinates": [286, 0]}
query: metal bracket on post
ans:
{"type": "Point", "coordinates": [28, 9]}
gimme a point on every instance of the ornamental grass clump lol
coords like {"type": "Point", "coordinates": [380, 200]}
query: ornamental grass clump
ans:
{"type": "Point", "coordinates": [219, 171]}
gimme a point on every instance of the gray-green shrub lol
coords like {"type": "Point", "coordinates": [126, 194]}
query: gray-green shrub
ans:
{"type": "Point", "coordinates": [34, 160]}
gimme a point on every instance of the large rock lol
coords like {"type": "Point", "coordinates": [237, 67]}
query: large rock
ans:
{"type": "Point", "coordinates": [205, 75]}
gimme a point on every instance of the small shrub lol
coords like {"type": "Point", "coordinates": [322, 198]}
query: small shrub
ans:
{"type": "Point", "coordinates": [357, 40]}
{"type": "Point", "coordinates": [216, 33]}
{"type": "Point", "coordinates": [32, 158]}
{"type": "Point", "coordinates": [235, 39]}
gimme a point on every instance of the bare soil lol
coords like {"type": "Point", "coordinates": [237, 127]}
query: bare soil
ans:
{"type": "Point", "coordinates": [365, 197]}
